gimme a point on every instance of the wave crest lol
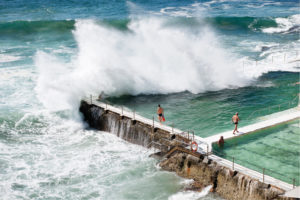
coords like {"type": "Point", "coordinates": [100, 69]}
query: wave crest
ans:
{"type": "Point", "coordinates": [28, 27]}
{"type": "Point", "coordinates": [148, 58]}
{"type": "Point", "coordinates": [285, 25]}
{"type": "Point", "coordinates": [153, 58]}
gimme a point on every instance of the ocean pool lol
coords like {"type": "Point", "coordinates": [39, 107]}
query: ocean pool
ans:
{"type": "Point", "coordinates": [277, 149]}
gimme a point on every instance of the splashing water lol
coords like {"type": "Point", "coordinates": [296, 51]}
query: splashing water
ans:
{"type": "Point", "coordinates": [150, 57]}
{"type": "Point", "coordinates": [191, 195]}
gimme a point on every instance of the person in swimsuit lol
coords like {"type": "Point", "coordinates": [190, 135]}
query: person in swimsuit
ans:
{"type": "Point", "coordinates": [160, 112]}
{"type": "Point", "coordinates": [221, 142]}
{"type": "Point", "coordinates": [235, 119]}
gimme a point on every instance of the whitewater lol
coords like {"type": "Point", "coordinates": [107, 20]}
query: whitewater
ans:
{"type": "Point", "coordinates": [202, 57]}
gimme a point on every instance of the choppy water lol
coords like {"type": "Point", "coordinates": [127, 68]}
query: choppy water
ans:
{"type": "Point", "coordinates": [198, 59]}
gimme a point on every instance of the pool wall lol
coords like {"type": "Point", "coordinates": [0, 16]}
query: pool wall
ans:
{"type": "Point", "coordinates": [283, 117]}
{"type": "Point", "coordinates": [254, 138]}
{"type": "Point", "coordinates": [204, 170]}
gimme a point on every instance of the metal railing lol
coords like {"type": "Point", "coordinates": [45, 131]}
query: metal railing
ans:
{"type": "Point", "coordinates": [262, 170]}
{"type": "Point", "coordinates": [284, 58]}
{"type": "Point", "coordinates": [275, 108]}
{"type": "Point", "coordinates": [149, 119]}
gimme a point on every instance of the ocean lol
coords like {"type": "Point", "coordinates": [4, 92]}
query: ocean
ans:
{"type": "Point", "coordinates": [201, 60]}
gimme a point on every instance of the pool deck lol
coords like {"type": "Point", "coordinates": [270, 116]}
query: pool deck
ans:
{"type": "Point", "coordinates": [205, 144]}
{"type": "Point", "coordinates": [268, 121]}
{"type": "Point", "coordinates": [294, 193]}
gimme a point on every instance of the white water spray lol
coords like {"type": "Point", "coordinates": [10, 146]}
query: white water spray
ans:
{"type": "Point", "coordinates": [151, 57]}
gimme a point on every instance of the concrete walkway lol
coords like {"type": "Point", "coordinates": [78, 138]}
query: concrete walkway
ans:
{"type": "Point", "coordinates": [268, 121]}
{"type": "Point", "coordinates": [294, 193]}
{"type": "Point", "coordinates": [205, 143]}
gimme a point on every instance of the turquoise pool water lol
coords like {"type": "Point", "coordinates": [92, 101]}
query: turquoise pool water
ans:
{"type": "Point", "coordinates": [210, 113]}
{"type": "Point", "coordinates": [277, 149]}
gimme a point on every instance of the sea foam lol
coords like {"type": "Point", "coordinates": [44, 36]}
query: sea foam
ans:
{"type": "Point", "coordinates": [150, 57]}
{"type": "Point", "coordinates": [285, 25]}
{"type": "Point", "coordinates": [192, 195]}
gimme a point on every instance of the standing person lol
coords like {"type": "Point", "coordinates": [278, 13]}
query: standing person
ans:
{"type": "Point", "coordinates": [235, 119]}
{"type": "Point", "coordinates": [160, 113]}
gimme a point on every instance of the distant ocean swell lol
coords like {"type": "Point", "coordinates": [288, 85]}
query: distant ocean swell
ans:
{"type": "Point", "coordinates": [29, 27]}
{"type": "Point", "coordinates": [290, 24]}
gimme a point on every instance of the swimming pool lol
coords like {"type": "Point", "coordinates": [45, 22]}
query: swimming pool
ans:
{"type": "Point", "coordinates": [277, 149]}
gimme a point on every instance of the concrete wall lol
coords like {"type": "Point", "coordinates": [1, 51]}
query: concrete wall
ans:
{"type": "Point", "coordinates": [128, 129]}
{"type": "Point", "coordinates": [227, 183]}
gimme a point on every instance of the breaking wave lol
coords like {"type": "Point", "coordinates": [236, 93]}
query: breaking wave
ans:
{"type": "Point", "coordinates": [144, 56]}
{"type": "Point", "coordinates": [285, 25]}
{"type": "Point", "coordinates": [148, 58]}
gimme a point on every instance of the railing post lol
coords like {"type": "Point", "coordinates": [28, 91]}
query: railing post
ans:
{"type": "Point", "coordinates": [193, 135]}
{"type": "Point", "coordinates": [272, 59]}
{"type": "Point", "coordinates": [207, 151]}
{"type": "Point", "coordinates": [91, 99]}
{"type": "Point", "coordinates": [153, 122]}
{"type": "Point", "coordinates": [294, 182]}
{"type": "Point", "coordinates": [232, 163]}
{"type": "Point", "coordinates": [263, 175]}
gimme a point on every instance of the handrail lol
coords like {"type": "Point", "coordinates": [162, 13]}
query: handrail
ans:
{"type": "Point", "coordinates": [169, 126]}
{"type": "Point", "coordinates": [269, 107]}
{"type": "Point", "coordinates": [234, 159]}
{"type": "Point", "coordinates": [178, 148]}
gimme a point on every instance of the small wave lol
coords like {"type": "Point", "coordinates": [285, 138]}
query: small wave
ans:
{"type": "Point", "coordinates": [264, 24]}
{"type": "Point", "coordinates": [262, 4]}
{"type": "Point", "coordinates": [8, 58]}
{"type": "Point", "coordinates": [29, 27]}
{"type": "Point", "coordinates": [191, 195]}
{"type": "Point", "coordinates": [190, 11]}
{"type": "Point", "coordinates": [252, 23]}
{"type": "Point", "coordinates": [285, 25]}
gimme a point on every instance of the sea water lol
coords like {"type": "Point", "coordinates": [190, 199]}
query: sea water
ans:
{"type": "Point", "coordinates": [202, 60]}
